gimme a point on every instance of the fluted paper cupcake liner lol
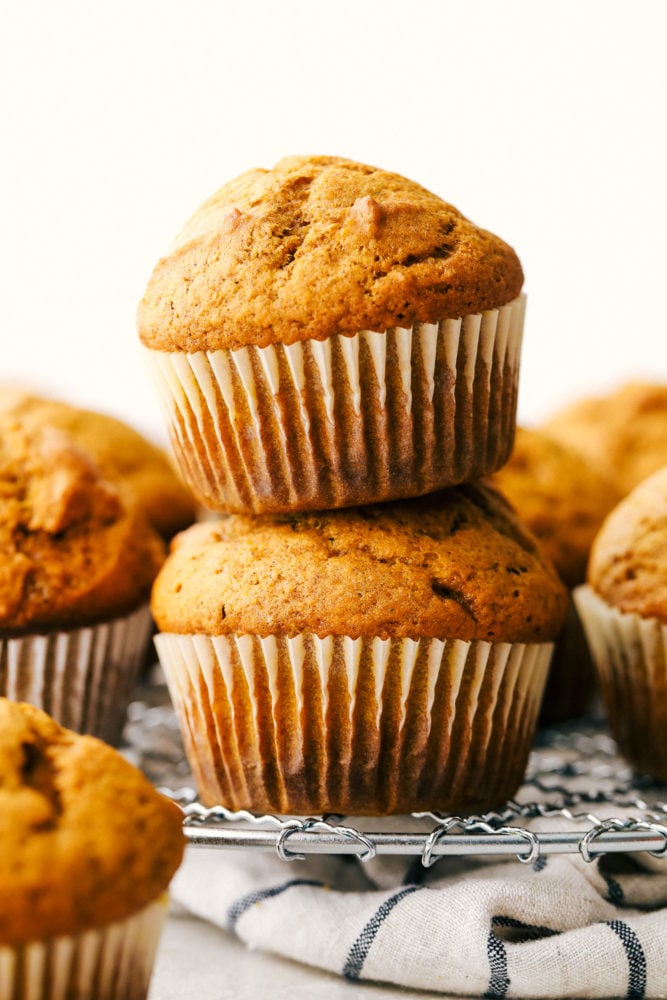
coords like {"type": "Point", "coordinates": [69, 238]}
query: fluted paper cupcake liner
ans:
{"type": "Point", "coordinates": [111, 963]}
{"type": "Point", "coordinates": [356, 726]}
{"type": "Point", "coordinates": [347, 420]}
{"type": "Point", "coordinates": [83, 677]}
{"type": "Point", "coordinates": [630, 656]}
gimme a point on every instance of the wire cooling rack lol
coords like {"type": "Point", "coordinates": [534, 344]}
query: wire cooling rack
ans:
{"type": "Point", "coordinates": [579, 796]}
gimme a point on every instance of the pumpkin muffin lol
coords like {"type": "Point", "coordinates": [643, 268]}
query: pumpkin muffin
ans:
{"type": "Point", "coordinates": [326, 334]}
{"type": "Point", "coordinates": [623, 434]}
{"type": "Point", "coordinates": [563, 500]}
{"type": "Point", "coordinates": [372, 660]}
{"type": "Point", "coordinates": [89, 848]}
{"type": "Point", "coordinates": [76, 569]}
{"type": "Point", "coordinates": [624, 610]}
{"type": "Point", "coordinates": [142, 472]}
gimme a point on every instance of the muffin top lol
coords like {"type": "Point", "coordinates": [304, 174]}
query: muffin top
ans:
{"type": "Point", "coordinates": [318, 246]}
{"type": "Point", "coordinates": [560, 496]}
{"type": "Point", "coordinates": [456, 564]}
{"type": "Point", "coordinates": [86, 839]}
{"type": "Point", "coordinates": [623, 434]}
{"type": "Point", "coordinates": [70, 553]}
{"type": "Point", "coordinates": [142, 472]}
{"type": "Point", "coordinates": [628, 564]}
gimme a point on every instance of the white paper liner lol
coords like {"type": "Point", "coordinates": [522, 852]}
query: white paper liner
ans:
{"type": "Point", "coordinates": [83, 677]}
{"type": "Point", "coordinates": [630, 657]}
{"type": "Point", "coordinates": [347, 420]}
{"type": "Point", "coordinates": [356, 726]}
{"type": "Point", "coordinates": [111, 963]}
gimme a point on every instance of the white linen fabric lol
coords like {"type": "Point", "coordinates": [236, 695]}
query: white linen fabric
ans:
{"type": "Point", "coordinates": [480, 927]}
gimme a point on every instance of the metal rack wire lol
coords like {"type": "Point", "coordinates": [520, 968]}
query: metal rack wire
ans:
{"type": "Point", "coordinates": [574, 782]}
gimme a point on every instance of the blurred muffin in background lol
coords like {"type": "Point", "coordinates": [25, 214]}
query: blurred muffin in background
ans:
{"type": "Point", "coordinates": [382, 659]}
{"type": "Point", "coordinates": [88, 850]}
{"type": "Point", "coordinates": [622, 434]}
{"type": "Point", "coordinates": [76, 568]}
{"type": "Point", "coordinates": [563, 499]}
{"type": "Point", "coordinates": [141, 471]}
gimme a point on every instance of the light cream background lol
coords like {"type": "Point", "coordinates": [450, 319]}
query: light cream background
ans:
{"type": "Point", "coordinates": [542, 122]}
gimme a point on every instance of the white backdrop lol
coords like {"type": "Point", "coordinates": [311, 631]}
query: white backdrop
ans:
{"type": "Point", "coordinates": [542, 122]}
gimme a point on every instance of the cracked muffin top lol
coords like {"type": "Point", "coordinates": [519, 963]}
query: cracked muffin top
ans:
{"type": "Point", "coordinates": [86, 838]}
{"type": "Point", "coordinates": [142, 472]}
{"type": "Point", "coordinates": [318, 246]}
{"type": "Point", "coordinates": [628, 564]}
{"type": "Point", "coordinates": [457, 565]}
{"type": "Point", "coordinates": [559, 495]}
{"type": "Point", "coordinates": [70, 553]}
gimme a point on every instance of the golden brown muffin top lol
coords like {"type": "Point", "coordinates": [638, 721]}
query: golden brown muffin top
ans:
{"type": "Point", "coordinates": [86, 839]}
{"type": "Point", "coordinates": [141, 471]}
{"type": "Point", "coordinates": [623, 434]}
{"type": "Point", "coordinates": [456, 565]}
{"type": "Point", "coordinates": [559, 495]}
{"type": "Point", "coordinates": [70, 554]}
{"type": "Point", "coordinates": [318, 246]}
{"type": "Point", "coordinates": [628, 564]}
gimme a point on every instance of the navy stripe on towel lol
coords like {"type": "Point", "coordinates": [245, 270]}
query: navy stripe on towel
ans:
{"type": "Point", "coordinates": [497, 953]}
{"type": "Point", "coordinates": [636, 959]}
{"type": "Point", "coordinates": [238, 908]}
{"type": "Point", "coordinates": [499, 980]}
{"type": "Point", "coordinates": [615, 893]}
{"type": "Point", "coordinates": [361, 947]}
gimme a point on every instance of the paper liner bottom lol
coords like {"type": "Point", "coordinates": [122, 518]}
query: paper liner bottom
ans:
{"type": "Point", "coordinates": [83, 677]}
{"type": "Point", "coordinates": [630, 657]}
{"type": "Point", "coordinates": [354, 726]}
{"type": "Point", "coordinates": [110, 963]}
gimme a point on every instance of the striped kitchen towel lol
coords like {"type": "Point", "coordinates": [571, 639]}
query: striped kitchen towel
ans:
{"type": "Point", "coordinates": [560, 927]}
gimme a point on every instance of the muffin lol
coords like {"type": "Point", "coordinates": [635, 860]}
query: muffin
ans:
{"type": "Point", "coordinates": [327, 334]}
{"type": "Point", "coordinates": [623, 434]}
{"type": "Point", "coordinates": [88, 850]}
{"type": "Point", "coordinates": [142, 472]}
{"type": "Point", "coordinates": [76, 570]}
{"type": "Point", "coordinates": [563, 500]}
{"type": "Point", "coordinates": [624, 611]}
{"type": "Point", "coordinates": [374, 660]}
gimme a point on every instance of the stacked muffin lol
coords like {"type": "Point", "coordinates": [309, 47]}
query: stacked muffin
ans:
{"type": "Point", "coordinates": [337, 350]}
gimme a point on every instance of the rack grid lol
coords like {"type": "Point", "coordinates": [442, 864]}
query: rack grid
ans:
{"type": "Point", "coordinates": [579, 796]}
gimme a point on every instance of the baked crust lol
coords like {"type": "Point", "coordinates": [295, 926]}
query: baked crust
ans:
{"type": "Point", "coordinates": [142, 472]}
{"type": "Point", "coordinates": [72, 554]}
{"type": "Point", "coordinates": [627, 566]}
{"type": "Point", "coordinates": [86, 839]}
{"type": "Point", "coordinates": [623, 434]}
{"type": "Point", "coordinates": [317, 246]}
{"type": "Point", "coordinates": [559, 495]}
{"type": "Point", "coordinates": [456, 564]}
